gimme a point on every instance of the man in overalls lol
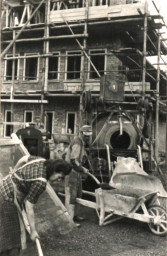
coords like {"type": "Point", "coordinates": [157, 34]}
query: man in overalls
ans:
{"type": "Point", "coordinates": [73, 182]}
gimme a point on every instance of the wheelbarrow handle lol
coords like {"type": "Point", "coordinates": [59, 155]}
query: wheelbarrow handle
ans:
{"type": "Point", "coordinates": [40, 252]}
{"type": "Point", "coordinates": [93, 177]}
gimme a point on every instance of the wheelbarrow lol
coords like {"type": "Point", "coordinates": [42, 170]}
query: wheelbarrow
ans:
{"type": "Point", "coordinates": [112, 204]}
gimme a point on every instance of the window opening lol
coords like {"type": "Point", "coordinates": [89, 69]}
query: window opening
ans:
{"type": "Point", "coordinates": [8, 127]}
{"type": "Point", "coordinates": [73, 65]}
{"type": "Point", "coordinates": [49, 123]}
{"type": "Point", "coordinates": [53, 68]}
{"type": "Point", "coordinates": [28, 116]}
{"type": "Point", "coordinates": [31, 67]}
{"type": "Point", "coordinates": [98, 59]}
{"type": "Point", "coordinates": [9, 67]}
{"type": "Point", "coordinates": [70, 127]}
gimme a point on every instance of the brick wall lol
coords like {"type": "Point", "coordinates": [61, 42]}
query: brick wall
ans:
{"type": "Point", "coordinates": [20, 84]}
{"type": "Point", "coordinates": [59, 107]}
{"type": "Point", "coordinates": [62, 46]}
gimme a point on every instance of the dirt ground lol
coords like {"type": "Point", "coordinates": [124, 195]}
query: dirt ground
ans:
{"type": "Point", "coordinates": [125, 237]}
{"type": "Point", "coordinates": [122, 238]}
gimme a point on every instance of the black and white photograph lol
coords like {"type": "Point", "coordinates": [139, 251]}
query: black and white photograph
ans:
{"type": "Point", "coordinates": [83, 134]}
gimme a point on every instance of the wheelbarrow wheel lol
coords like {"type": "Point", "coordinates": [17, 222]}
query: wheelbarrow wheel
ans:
{"type": "Point", "coordinates": [159, 224]}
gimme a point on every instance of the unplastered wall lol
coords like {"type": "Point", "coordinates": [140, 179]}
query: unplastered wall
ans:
{"type": "Point", "coordinates": [18, 110]}
{"type": "Point", "coordinates": [92, 44]}
{"type": "Point", "coordinates": [60, 106]}
{"type": "Point", "coordinates": [62, 46]}
{"type": "Point", "coordinates": [31, 48]}
{"type": "Point", "coordinates": [20, 84]}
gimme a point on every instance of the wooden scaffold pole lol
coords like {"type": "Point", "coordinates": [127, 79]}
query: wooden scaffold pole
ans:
{"type": "Point", "coordinates": [157, 102]}
{"type": "Point", "coordinates": [13, 79]}
{"type": "Point", "coordinates": [13, 68]}
{"type": "Point", "coordinates": [144, 51]}
{"type": "Point", "coordinates": [21, 30]}
{"type": "Point", "coordinates": [82, 118]}
{"type": "Point", "coordinates": [46, 58]}
{"type": "Point", "coordinates": [144, 72]}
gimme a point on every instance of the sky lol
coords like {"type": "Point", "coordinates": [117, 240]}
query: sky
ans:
{"type": "Point", "coordinates": [162, 4]}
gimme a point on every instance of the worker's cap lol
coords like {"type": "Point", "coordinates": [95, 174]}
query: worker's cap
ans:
{"type": "Point", "coordinates": [27, 125]}
{"type": "Point", "coordinates": [86, 130]}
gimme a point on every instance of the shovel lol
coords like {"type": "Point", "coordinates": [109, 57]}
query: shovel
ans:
{"type": "Point", "coordinates": [23, 216]}
{"type": "Point", "coordinates": [104, 186]}
{"type": "Point", "coordinates": [26, 223]}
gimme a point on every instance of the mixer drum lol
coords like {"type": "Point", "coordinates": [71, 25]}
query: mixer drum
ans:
{"type": "Point", "coordinates": [111, 133]}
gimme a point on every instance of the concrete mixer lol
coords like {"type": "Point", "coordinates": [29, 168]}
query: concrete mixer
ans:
{"type": "Point", "coordinates": [118, 128]}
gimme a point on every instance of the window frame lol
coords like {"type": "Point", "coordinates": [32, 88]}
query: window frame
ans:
{"type": "Point", "coordinates": [105, 62]}
{"type": "Point", "coordinates": [66, 64]}
{"type": "Point", "coordinates": [53, 118]}
{"type": "Point", "coordinates": [55, 54]}
{"type": "Point", "coordinates": [4, 132]}
{"type": "Point", "coordinates": [75, 120]}
{"type": "Point", "coordinates": [28, 111]}
{"type": "Point", "coordinates": [24, 67]}
{"type": "Point", "coordinates": [5, 67]}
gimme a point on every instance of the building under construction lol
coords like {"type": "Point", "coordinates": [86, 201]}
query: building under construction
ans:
{"type": "Point", "coordinates": [66, 63]}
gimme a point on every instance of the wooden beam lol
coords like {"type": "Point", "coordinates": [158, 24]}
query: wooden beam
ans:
{"type": "Point", "coordinates": [29, 57]}
{"type": "Point", "coordinates": [17, 140]}
{"type": "Point", "coordinates": [25, 25]}
{"type": "Point", "coordinates": [94, 23]}
{"type": "Point", "coordinates": [88, 193]}
{"type": "Point", "coordinates": [86, 203]}
{"type": "Point", "coordinates": [13, 123]}
{"type": "Point", "coordinates": [24, 101]}
{"type": "Point", "coordinates": [9, 142]}
{"type": "Point", "coordinates": [23, 15]}
{"type": "Point", "coordinates": [46, 38]}
{"type": "Point", "coordinates": [95, 12]}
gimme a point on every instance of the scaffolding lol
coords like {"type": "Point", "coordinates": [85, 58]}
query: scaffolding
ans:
{"type": "Point", "coordinates": [50, 19]}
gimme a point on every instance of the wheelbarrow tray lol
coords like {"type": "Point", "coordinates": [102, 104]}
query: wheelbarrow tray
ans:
{"type": "Point", "coordinates": [124, 199]}
{"type": "Point", "coordinates": [136, 204]}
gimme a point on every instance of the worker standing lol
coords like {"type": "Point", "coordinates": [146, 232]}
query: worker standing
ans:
{"type": "Point", "coordinates": [21, 189]}
{"type": "Point", "coordinates": [73, 182]}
